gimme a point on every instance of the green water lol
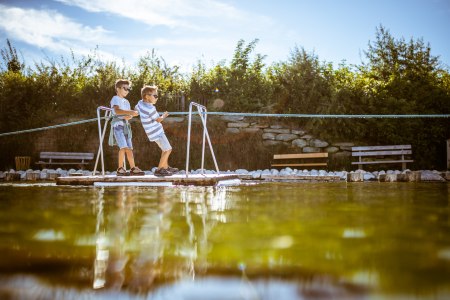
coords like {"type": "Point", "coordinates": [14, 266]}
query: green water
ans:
{"type": "Point", "coordinates": [255, 241]}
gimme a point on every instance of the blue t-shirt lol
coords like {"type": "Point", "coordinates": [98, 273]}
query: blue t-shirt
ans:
{"type": "Point", "coordinates": [123, 104]}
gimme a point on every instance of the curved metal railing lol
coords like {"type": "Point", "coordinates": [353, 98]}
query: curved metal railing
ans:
{"type": "Point", "coordinates": [203, 114]}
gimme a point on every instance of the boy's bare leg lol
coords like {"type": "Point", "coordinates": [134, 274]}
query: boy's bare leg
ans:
{"type": "Point", "coordinates": [130, 157]}
{"type": "Point", "coordinates": [121, 157]}
{"type": "Point", "coordinates": [164, 161]}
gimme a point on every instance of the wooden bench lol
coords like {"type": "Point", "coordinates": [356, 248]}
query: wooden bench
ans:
{"type": "Point", "coordinates": [79, 159]}
{"type": "Point", "coordinates": [382, 155]}
{"type": "Point", "coordinates": [306, 159]}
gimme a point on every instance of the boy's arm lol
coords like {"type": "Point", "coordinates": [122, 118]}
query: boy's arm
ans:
{"type": "Point", "coordinates": [160, 119]}
{"type": "Point", "coordinates": [119, 111]}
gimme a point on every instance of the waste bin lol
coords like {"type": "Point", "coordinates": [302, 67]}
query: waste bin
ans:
{"type": "Point", "coordinates": [22, 162]}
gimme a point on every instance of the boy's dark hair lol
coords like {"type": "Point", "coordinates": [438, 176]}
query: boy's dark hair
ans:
{"type": "Point", "coordinates": [148, 88]}
{"type": "Point", "coordinates": [121, 82]}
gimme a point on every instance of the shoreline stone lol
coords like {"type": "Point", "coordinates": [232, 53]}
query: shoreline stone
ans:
{"type": "Point", "coordinates": [287, 174]}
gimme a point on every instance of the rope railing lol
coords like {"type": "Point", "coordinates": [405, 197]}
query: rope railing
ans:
{"type": "Point", "coordinates": [331, 116]}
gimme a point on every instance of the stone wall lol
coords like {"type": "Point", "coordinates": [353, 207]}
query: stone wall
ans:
{"type": "Point", "coordinates": [276, 134]}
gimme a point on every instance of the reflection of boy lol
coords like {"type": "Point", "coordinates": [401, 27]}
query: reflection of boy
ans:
{"type": "Point", "coordinates": [120, 128]}
{"type": "Point", "coordinates": [151, 121]}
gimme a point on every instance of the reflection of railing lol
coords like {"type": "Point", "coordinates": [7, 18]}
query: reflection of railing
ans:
{"type": "Point", "coordinates": [202, 113]}
{"type": "Point", "coordinates": [101, 251]}
{"type": "Point", "coordinates": [101, 135]}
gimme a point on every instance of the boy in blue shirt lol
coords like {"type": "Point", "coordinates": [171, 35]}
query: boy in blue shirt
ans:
{"type": "Point", "coordinates": [120, 128]}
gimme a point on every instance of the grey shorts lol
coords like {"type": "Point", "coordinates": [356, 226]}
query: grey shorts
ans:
{"type": "Point", "coordinates": [122, 140]}
{"type": "Point", "coordinates": [163, 142]}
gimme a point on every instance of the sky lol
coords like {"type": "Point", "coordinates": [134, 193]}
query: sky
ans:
{"type": "Point", "coordinates": [186, 31]}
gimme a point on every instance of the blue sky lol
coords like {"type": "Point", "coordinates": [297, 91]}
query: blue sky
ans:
{"type": "Point", "coordinates": [184, 31]}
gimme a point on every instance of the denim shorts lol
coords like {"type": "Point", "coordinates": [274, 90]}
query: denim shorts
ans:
{"type": "Point", "coordinates": [122, 140]}
{"type": "Point", "coordinates": [163, 142]}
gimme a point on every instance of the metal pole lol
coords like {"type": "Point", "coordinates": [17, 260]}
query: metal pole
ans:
{"type": "Point", "coordinates": [101, 135]}
{"type": "Point", "coordinates": [210, 145]}
{"type": "Point", "coordinates": [100, 149]}
{"type": "Point", "coordinates": [200, 110]}
{"type": "Point", "coordinates": [188, 140]}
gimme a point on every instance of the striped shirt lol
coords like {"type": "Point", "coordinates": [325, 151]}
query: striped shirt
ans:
{"type": "Point", "coordinates": [148, 115]}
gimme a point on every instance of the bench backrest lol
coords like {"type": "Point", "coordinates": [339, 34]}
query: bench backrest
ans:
{"type": "Point", "coordinates": [381, 150]}
{"type": "Point", "coordinates": [66, 155]}
{"type": "Point", "coordinates": [300, 155]}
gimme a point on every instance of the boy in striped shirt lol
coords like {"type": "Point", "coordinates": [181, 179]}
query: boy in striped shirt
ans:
{"type": "Point", "coordinates": [151, 121]}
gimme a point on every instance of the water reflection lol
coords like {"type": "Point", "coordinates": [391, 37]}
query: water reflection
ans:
{"type": "Point", "coordinates": [310, 240]}
{"type": "Point", "coordinates": [150, 241]}
{"type": "Point", "coordinates": [135, 244]}
{"type": "Point", "coordinates": [101, 249]}
{"type": "Point", "coordinates": [149, 236]}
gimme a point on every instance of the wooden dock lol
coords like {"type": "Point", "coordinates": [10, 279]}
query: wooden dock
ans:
{"type": "Point", "coordinates": [150, 180]}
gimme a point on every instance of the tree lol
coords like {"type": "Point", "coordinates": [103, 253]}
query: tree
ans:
{"type": "Point", "coordinates": [243, 85]}
{"type": "Point", "coordinates": [11, 59]}
{"type": "Point", "coordinates": [404, 78]}
{"type": "Point", "coordinates": [301, 84]}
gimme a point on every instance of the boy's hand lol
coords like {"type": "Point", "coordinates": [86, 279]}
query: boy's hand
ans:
{"type": "Point", "coordinates": [165, 114]}
{"type": "Point", "coordinates": [134, 113]}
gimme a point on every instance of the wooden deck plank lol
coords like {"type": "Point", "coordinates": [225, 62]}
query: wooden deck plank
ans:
{"type": "Point", "coordinates": [193, 179]}
{"type": "Point", "coordinates": [304, 178]}
{"type": "Point", "coordinates": [300, 155]}
{"type": "Point", "coordinates": [381, 162]}
{"type": "Point", "coordinates": [382, 153]}
{"type": "Point", "coordinates": [387, 147]}
{"type": "Point", "coordinates": [299, 165]}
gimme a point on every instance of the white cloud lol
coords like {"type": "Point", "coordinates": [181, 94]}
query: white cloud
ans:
{"type": "Point", "coordinates": [181, 31]}
{"type": "Point", "coordinates": [194, 27]}
{"type": "Point", "coordinates": [171, 13]}
{"type": "Point", "coordinates": [50, 30]}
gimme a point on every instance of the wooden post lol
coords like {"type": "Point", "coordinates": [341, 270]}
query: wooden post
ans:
{"type": "Point", "coordinates": [388, 178]}
{"type": "Point", "coordinates": [33, 176]}
{"type": "Point", "coordinates": [414, 176]}
{"type": "Point", "coordinates": [355, 177]}
{"type": "Point", "coordinates": [182, 102]}
{"type": "Point", "coordinates": [447, 176]}
{"type": "Point", "coordinates": [12, 176]}
{"type": "Point", "coordinates": [403, 177]}
{"type": "Point", "coordinates": [411, 176]}
{"type": "Point", "coordinates": [391, 177]}
{"type": "Point", "coordinates": [52, 176]}
{"type": "Point", "coordinates": [403, 163]}
{"type": "Point", "coordinates": [448, 154]}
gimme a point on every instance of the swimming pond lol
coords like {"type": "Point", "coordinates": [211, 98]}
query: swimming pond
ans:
{"type": "Point", "coordinates": [253, 241]}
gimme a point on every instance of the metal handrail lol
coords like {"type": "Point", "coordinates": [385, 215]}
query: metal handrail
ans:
{"type": "Point", "coordinates": [202, 113]}
{"type": "Point", "coordinates": [101, 136]}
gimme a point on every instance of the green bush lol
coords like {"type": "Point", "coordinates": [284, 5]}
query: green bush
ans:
{"type": "Point", "coordinates": [398, 77]}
